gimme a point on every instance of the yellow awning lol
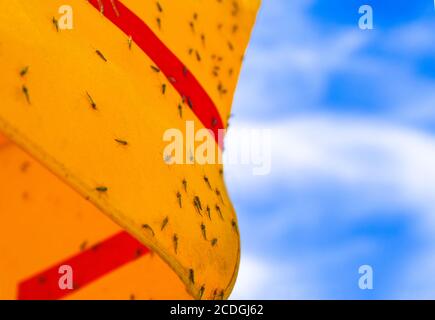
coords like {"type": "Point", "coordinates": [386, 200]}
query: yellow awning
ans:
{"type": "Point", "coordinates": [83, 113]}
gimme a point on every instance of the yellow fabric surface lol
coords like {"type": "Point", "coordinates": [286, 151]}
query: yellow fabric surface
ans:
{"type": "Point", "coordinates": [47, 113]}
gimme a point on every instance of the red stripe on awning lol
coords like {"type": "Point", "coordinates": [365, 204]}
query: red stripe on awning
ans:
{"type": "Point", "coordinates": [87, 266]}
{"type": "Point", "coordinates": [182, 79]}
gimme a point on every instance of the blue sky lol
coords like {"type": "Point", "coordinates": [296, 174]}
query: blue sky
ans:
{"type": "Point", "coordinates": [352, 114]}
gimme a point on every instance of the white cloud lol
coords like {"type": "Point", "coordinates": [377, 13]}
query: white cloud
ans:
{"type": "Point", "coordinates": [414, 38]}
{"type": "Point", "coordinates": [352, 151]}
{"type": "Point", "coordinates": [260, 279]}
{"type": "Point", "coordinates": [296, 277]}
{"type": "Point", "coordinates": [293, 58]}
{"type": "Point", "coordinates": [303, 61]}
{"type": "Point", "coordinates": [393, 163]}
